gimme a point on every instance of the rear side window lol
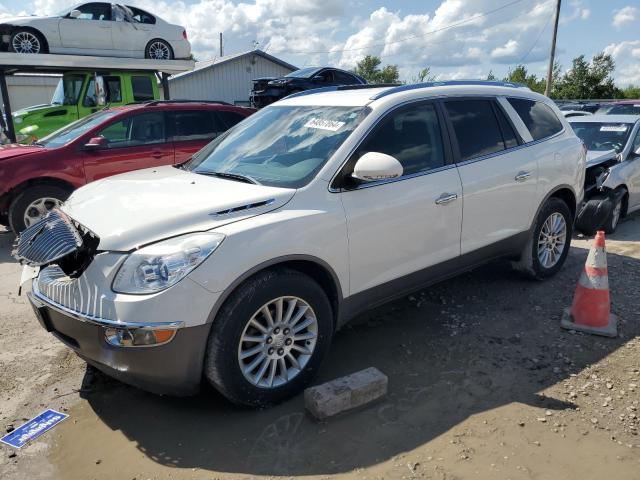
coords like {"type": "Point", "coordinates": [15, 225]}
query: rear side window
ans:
{"type": "Point", "coordinates": [412, 136]}
{"type": "Point", "coordinates": [540, 119]}
{"type": "Point", "coordinates": [135, 130]}
{"type": "Point", "coordinates": [142, 88]}
{"type": "Point", "coordinates": [476, 128]}
{"type": "Point", "coordinates": [196, 125]}
{"type": "Point", "coordinates": [509, 135]}
{"type": "Point", "coordinates": [230, 119]}
{"type": "Point", "coordinates": [345, 79]}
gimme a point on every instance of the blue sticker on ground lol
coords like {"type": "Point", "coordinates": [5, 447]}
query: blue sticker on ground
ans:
{"type": "Point", "coordinates": [33, 428]}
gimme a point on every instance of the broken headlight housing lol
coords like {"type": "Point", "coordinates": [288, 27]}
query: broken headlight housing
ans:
{"type": "Point", "coordinates": [160, 265]}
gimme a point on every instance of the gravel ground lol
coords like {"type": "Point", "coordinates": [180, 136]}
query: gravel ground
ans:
{"type": "Point", "coordinates": [482, 384]}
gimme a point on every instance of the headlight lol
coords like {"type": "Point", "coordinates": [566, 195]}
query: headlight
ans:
{"type": "Point", "coordinates": [17, 120]}
{"type": "Point", "coordinates": [160, 265]}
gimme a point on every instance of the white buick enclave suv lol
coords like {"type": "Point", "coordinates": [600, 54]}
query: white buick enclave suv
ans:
{"type": "Point", "coordinates": [239, 265]}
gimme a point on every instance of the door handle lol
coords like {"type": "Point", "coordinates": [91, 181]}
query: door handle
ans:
{"type": "Point", "coordinates": [522, 176]}
{"type": "Point", "coordinates": [157, 155]}
{"type": "Point", "coordinates": [446, 198]}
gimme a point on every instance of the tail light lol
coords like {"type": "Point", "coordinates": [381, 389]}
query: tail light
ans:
{"type": "Point", "coordinates": [184, 34]}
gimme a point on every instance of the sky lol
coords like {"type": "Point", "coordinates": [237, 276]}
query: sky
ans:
{"type": "Point", "coordinates": [454, 38]}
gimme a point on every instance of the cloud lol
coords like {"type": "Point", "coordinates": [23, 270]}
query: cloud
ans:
{"type": "Point", "coordinates": [627, 57]}
{"type": "Point", "coordinates": [625, 15]}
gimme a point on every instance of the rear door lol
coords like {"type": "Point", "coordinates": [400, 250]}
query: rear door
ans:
{"type": "Point", "coordinates": [498, 177]}
{"type": "Point", "coordinates": [190, 130]}
{"type": "Point", "coordinates": [133, 142]}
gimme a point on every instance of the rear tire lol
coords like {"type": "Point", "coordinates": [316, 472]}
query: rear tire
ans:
{"type": "Point", "coordinates": [33, 204]}
{"type": "Point", "coordinates": [158, 49]}
{"type": "Point", "coordinates": [549, 242]}
{"type": "Point", "coordinates": [234, 337]}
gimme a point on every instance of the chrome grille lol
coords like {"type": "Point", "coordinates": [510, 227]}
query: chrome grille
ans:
{"type": "Point", "coordinates": [76, 294]}
{"type": "Point", "coordinates": [48, 240]}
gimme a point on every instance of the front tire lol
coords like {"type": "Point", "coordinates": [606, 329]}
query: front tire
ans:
{"type": "Point", "coordinates": [269, 338]}
{"type": "Point", "coordinates": [158, 50]}
{"type": "Point", "coordinates": [33, 204]}
{"type": "Point", "coordinates": [549, 243]}
{"type": "Point", "coordinates": [616, 214]}
{"type": "Point", "coordinates": [27, 41]}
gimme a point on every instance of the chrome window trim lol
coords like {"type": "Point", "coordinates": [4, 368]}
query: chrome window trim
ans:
{"type": "Point", "coordinates": [102, 322]}
{"type": "Point", "coordinates": [364, 136]}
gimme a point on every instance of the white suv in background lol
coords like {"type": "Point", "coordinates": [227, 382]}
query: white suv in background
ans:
{"type": "Point", "coordinates": [240, 264]}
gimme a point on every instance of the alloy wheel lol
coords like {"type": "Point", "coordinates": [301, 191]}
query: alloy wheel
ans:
{"type": "Point", "coordinates": [26, 42]}
{"type": "Point", "coordinates": [277, 342]}
{"type": "Point", "coordinates": [552, 240]}
{"type": "Point", "coordinates": [159, 51]}
{"type": "Point", "coordinates": [39, 208]}
{"type": "Point", "coordinates": [615, 215]}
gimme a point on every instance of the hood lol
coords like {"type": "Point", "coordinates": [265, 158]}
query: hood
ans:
{"type": "Point", "coordinates": [264, 79]}
{"type": "Point", "coordinates": [595, 157]}
{"type": "Point", "coordinates": [14, 150]}
{"type": "Point", "coordinates": [133, 209]}
{"type": "Point", "coordinates": [36, 108]}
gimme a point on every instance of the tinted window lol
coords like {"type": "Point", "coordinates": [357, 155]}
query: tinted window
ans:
{"type": "Point", "coordinates": [539, 118]}
{"type": "Point", "coordinates": [196, 125]}
{"type": "Point", "coordinates": [135, 130]}
{"type": "Point", "coordinates": [229, 118]}
{"type": "Point", "coordinates": [411, 135]}
{"type": "Point", "coordinates": [508, 134]}
{"type": "Point", "coordinates": [95, 11]}
{"type": "Point", "coordinates": [345, 78]}
{"type": "Point", "coordinates": [142, 89]}
{"type": "Point", "coordinates": [476, 128]}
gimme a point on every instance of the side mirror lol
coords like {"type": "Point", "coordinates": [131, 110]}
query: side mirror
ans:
{"type": "Point", "coordinates": [373, 166]}
{"type": "Point", "coordinates": [74, 13]}
{"type": "Point", "coordinates": [101, 96]}
{"type": "Point", "coordinates": [96, 143]}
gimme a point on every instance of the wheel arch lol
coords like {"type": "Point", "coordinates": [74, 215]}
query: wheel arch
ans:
{"type": "Point", "coordinates": [564, 193]}
{"type": "Point", "coordinates": [317, 269]}
{"type": "Point", "coordinates": [43, 37]}
{"type": "Point", "coordinates": [32, 182]}
{"type": "Point", "coordinates": [146, 47]}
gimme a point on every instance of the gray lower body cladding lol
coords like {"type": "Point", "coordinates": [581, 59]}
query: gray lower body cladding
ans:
{"type": "Point", "coordinates": [174, 368]}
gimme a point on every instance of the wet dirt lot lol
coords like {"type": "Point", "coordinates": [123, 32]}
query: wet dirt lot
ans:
{"type": "Point", "coordinates": [482, 384]}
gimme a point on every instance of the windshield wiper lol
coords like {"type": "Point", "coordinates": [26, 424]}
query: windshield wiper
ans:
{"type": "Point", "coordinates": [229, 176]}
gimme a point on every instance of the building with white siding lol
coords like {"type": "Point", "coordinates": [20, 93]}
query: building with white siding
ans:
{"type": "Point", "coordinates": [227, 78]}
{"type": "Point", "coordinates": [33, 89]}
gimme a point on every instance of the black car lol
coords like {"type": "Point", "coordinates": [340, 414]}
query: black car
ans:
{"type": "Point", "coordinates": [268, 90]}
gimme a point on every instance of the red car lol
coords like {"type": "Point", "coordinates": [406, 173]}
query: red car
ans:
{"type": "Point", "coordinates": [35, 178]}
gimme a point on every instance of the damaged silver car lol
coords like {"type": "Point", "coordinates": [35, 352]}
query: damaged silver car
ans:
{"type": "Point", "coordinates": [612, 181]}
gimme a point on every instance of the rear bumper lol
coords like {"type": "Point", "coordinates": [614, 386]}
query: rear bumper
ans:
{"type": "Point", "coordinates": [174, 368]}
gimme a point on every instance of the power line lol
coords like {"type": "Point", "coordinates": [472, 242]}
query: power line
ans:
{"type": "Point", "coordinates": [441, 29]}
{"type": "Point", "coordinates": [537, 40]}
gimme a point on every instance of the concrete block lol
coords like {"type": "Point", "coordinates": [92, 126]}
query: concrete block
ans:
{"type": "Point", "coordinates": [345, 393]}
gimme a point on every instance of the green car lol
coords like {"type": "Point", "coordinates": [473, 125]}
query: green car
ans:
{"type": "Point", "coordinates": [79, 94]}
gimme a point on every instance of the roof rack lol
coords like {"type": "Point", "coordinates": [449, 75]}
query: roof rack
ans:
{"type": "Point", "coordinates": [153, 103]}
{"type": "Point", "coordinates": [415, 86]}
{"type": "Point", "coordinates": [343, 87]}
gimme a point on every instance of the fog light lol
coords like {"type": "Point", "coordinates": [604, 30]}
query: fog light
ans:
{"type": "Point", "coordinates": [137, 337]}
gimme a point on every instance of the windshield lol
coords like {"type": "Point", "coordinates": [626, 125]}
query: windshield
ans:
{"type": "Point", "coordinates": [68, 90]}
{"type": "Point", "coordinates": [625, 109]}
{"type": "Point", "coordinates": [74, 130]}
{"type": "Point", "coordinates": [304, 72]}
{"type": "Point", "coordinates": [603, 136]}
{"type": "Point", "coordinates": [280, 146]}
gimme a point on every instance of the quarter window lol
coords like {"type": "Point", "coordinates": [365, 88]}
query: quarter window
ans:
{"type": "Point", "coordinates": [142, 89]}
{"type": "Point", "coordinates": [476, 128]}
{"type": "Point", "coordinates": [412, 136]}
{"type": "Point", "coordinates": [136, 130]}
{"type": "Point", "coordinates": [538, 117]}
{"type": "Point", "coordinates": [196, 125]}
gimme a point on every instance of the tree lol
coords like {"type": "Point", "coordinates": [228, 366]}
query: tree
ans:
{"type": "Point", "coordinates": [631, 92]}
{"type": "Point", "coordinates": [589, 79]}
{"type": "Point", "coordinates": [369, 69]}
{"type": "Point", "coordinates": [424, 75]}
{"type": "Point", "coordinates": [521, 75]}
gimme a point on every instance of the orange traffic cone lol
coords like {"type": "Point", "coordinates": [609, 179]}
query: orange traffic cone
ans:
{"type": "Point", "coordinates": [590, 311]}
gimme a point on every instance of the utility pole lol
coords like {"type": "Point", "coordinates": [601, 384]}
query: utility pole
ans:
{"type": "Point", "coordinates": [221, 50]}
{"type": "Point", "coordinates": [552, 56]}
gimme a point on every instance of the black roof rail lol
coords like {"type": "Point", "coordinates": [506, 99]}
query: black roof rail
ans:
{"type": "Point", "coordinates": [152, 103]}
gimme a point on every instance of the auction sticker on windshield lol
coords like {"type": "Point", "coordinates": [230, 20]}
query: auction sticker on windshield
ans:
{"type": "Point", "coordinates": [613, 128]}
{"type": "Point", "coordinates": [331, 125]}
{"type": "Point", "coordinates": [33, 428]}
